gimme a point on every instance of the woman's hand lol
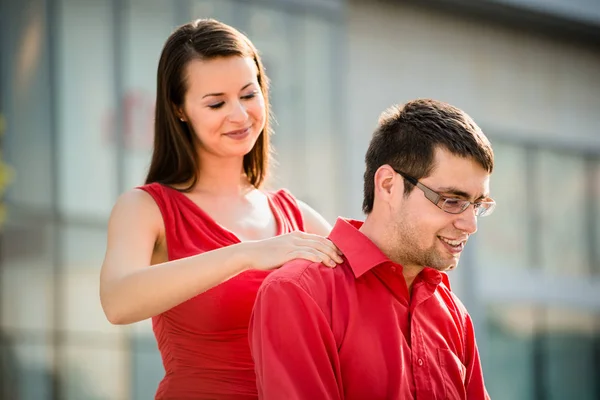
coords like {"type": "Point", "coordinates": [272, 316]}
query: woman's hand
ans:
{"type": "Point", "coordinates": [274, 252]}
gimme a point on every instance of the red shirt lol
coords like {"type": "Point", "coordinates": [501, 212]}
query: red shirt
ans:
{"type": "Point", "coordinates": [204, 341]}
{"type": "Point", "coordinates": [353, 332]}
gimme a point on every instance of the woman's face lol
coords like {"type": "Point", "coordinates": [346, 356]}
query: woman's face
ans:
{"type": "Point", "coordinates": [224, 105]}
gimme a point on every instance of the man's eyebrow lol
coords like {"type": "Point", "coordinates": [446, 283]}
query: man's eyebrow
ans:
{"type": "Point", "coordinates": [451, 190]}
{"type": "Point", "coordinates": [454, 191]}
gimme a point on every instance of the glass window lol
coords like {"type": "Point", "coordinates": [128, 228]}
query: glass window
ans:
{"type": "Point", "coordinates": [26, 240]}
{"type": "Point", "coordinates": [508, 357]}
{"type": "Point", "coordinates": [147, 27]}
{"type": "Point", "coordinates": [86, 108]}
{"type": "Point", "coordinates": [27, 371]}
{"type": "Point", "coordinates": [322, 142]}
{"type": "Point", "coordinates": [595, 182]}
{"type": "Point", "coordinates": [503, 238]}
{"type": "Point", "coordinates": [8, 372]}
{"type": "Point", "coordinates": [88, 149]}
{"type": "Point", "coordinates": [148, 370]}
{"type": "Point", "coordinates": [26, 277]}
{"type": "Point", "coordinates": [94, 373]}
{"type": "Point", "coordinates": [561, 203]}
{"type": "Point", "coordinates": [25, 98]}
{"type": "Point", "coordinates": [570, 355]}
{"type": "Point", "coordinates": [83, 246]}
{"type": "Point", "coordinates": [81, 310]}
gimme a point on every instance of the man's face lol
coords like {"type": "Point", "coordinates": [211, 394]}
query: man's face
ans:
{"type": "Point", "coordinates": [425, 234]}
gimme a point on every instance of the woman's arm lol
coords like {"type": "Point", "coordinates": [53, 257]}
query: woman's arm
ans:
{"type": "Point", "coordinates": [131, 290]}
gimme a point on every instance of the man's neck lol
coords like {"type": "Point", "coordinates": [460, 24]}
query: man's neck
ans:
{"type": "Point", "coordinates": [372, 230]}
{"type": "Point", "coordinates": [410, 272]}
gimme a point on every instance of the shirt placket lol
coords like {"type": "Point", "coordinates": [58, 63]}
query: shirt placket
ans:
{"type": "Point", "coordinates": [422, 357]}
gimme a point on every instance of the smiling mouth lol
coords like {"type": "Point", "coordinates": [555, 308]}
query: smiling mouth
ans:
{"type": "Point", "coordinates": [453, 246]}
{"type": "Point", "coordinates": [239, 132]}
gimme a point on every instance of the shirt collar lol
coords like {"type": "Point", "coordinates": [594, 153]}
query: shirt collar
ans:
{"type": "Point", "coordinates": [363, 255]}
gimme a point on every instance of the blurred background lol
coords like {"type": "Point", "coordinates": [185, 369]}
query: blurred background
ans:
{"type": "Point", "coordinates": [77, 84]}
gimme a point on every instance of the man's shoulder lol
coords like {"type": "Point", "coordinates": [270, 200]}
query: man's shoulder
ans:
{"type": "Point", "coordinates": [308, 275]}
{"type": "Point", "coordinates": [292, 271]}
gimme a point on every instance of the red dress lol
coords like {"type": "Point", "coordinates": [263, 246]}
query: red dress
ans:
{"type": "Point", "coordinates": [204, 341]}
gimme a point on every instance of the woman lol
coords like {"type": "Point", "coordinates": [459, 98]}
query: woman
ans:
{"type": "Point", "coordinates": [201, 221]}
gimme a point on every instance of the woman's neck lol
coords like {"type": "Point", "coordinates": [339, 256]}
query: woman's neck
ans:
{"type": "Point", "coordinates": [222, 177]}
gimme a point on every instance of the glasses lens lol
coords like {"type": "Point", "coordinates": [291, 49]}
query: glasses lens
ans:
{"type": "Point", "coordinates": [485, 209]}
{"type": "Point", "coordinates": [455, 206]}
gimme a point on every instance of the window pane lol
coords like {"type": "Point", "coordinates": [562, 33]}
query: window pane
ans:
{"type": "Point", "coordinates": [143, 329]}
{"type": "Point", "coordinates": [502, 239]}
{"type": "Point", "coordinates": [83, 247]}
{"type": "Point", "coordinates": [562, 206]}
{"type": "Point", "coordinates": [322, 143]}
{"type": "Point", "coordinates": [569, 353]}
{"type": "Point", "coordinates": [596, 202]}
{"type": "Point", "coordinates": [25, 98]}
{"type": "Point", "coordinates": [95, 373]}
{"type": "Point", "coordinates": [148, 25]}
{"type": "Point", "coordinates": [87, 104]}
{"type": "Point", "coordinates": [25, 114]}
{"type": "Point", "coordinates": [81, 309]}
{"type": "Point", "coordinates": [26, 277]}
{"type": "Point", "coordinates": [508, 355]}
{"type": "Point", "coordinates": [26, 371]}
{"type": "Point", "coordinates": [147, 369]}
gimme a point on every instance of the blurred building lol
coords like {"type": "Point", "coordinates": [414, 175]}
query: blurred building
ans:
{"type": "Point", "coordinates": [77, 82]}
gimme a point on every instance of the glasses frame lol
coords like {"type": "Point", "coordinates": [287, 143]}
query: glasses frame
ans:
{"type": "Point", "coordinates": [435, 198]}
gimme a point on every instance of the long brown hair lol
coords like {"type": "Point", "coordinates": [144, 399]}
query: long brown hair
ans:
{"type": "Point", "coordinates": [174, 159]}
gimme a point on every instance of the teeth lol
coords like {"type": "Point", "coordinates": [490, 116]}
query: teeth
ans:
{"type": "Point", "coordinates": [452, 242]}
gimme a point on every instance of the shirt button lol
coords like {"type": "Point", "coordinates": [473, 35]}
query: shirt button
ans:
{"type": "Point", "coordinates": [420, 362]}
{"type": "Point", "coordinates": [393, 269]}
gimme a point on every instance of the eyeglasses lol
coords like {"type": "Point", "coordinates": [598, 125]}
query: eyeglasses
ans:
{"type": "Point", "coordinates": [451, 205]}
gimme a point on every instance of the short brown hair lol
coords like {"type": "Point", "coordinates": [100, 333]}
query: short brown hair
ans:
{"type": "Point", "coordinates": [174, 159]}
{"type": "Point", "coordinates": [407, 136]}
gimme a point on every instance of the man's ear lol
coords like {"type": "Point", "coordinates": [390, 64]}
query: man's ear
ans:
{"type": "Point", "coordinates": [386, 179]}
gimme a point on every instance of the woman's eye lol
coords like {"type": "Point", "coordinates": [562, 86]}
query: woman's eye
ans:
{"type": "Point", "coordinates": [216, 106]}
{"type": "Point", "coordinates": [249, 96]}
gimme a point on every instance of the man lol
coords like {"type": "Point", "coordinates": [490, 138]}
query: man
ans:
{"type": "Point", "coordinates": [384, 324]}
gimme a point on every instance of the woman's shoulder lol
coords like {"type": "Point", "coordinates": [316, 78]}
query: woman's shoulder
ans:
{"type": "Point", "coordinates": [136, 200]}
{"type": "Point", "coordinates": [135, 211]}
{"type": "Point", "coordinates": [152, 189]}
